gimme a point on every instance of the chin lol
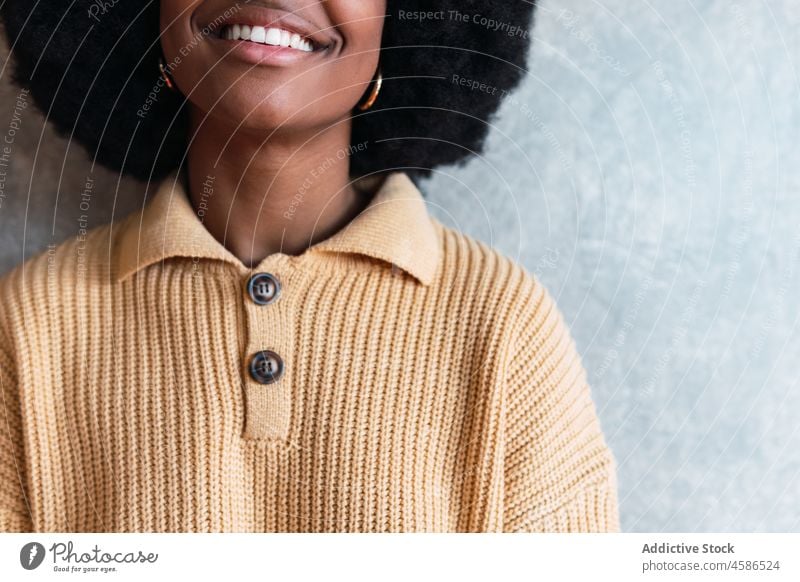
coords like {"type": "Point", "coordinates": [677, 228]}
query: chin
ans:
{"type": "Point", "coordinates": [261, 107]}
{"type": "Point", "coordinates": [262, 117]}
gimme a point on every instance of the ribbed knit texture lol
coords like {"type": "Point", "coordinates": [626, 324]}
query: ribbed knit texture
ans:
{"type": "Point", "coordinates": [421, 393]}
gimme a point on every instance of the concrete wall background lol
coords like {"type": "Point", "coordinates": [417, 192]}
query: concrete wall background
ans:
{"type": "Point", "coordinates": [648, 173]}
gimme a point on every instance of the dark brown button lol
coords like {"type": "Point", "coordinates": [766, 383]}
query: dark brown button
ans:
{"type": "Point", "coordinates": [266, 367]}
{"type": "Point", "coordinates": [263, 288]}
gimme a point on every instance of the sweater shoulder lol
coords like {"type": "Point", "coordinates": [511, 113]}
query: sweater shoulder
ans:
{"type": "Point", "coordinates": [491, 276]}
{"type": "Point", "coordinates": [52, 273]}
{"type": "Point", "coordinates": [515, 304]}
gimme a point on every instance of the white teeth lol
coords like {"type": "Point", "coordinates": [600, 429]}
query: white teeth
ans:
{"type": "Point", "coordinates": [258, 34]}
{"type": "Point", "coordinates": [273, 36]}
{"type": "Point", "coordinates": [270, 36]}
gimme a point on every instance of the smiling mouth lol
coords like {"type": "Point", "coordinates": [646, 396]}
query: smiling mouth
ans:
{"type": "Point", "coordinates": [271, 36]}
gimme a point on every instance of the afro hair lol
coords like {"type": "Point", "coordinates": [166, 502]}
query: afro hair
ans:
{"type": "Point", "coordinates": [90, 66]}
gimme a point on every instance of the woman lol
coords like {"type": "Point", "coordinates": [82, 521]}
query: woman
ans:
{"type": "Point", "coordinates": [283, 339]}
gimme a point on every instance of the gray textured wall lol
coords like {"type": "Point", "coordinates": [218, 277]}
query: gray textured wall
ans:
{"type": "Point", "coordinates": [647, 172]}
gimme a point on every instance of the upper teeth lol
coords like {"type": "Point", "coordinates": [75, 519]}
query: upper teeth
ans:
{"type": "Point", "coordinates": [272, 36]}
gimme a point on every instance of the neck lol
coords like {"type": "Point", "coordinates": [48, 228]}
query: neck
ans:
{"type": "Point", "coordinates": [280, 195]}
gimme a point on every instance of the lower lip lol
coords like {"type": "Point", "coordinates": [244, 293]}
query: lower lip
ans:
{"type": "Point", "coordinates": [264, 54]}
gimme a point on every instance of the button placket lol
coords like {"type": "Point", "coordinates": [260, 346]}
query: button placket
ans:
{"type": "Point", "coordinates": [266, 367]}
{"type": "Point", "coordinates": [263, 288]}
{"type": "Point", "coordinates": [267, 358]}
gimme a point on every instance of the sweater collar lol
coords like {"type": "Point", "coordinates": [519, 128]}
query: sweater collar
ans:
{"type": "Point", "coordinates": [395, 228]}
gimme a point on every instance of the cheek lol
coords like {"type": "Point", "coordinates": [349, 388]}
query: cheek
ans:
{"type": "Point", "coordinates": [179, 42]}
{"type": "Point", "coordinates": [361, 21]}
{"type": "Point", "coordinates": [356, 10]}
{"type": "Point", "coordinates": [362, 26]}
{"type": "Point", "coordinates": [176, 27]}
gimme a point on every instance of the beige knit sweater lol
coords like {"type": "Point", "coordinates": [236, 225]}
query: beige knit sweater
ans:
{"type": "Point", "coordinates": [428, 384]}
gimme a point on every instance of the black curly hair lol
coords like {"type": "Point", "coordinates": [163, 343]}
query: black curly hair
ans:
{"type": "Point", "coordinates": [447, 65]}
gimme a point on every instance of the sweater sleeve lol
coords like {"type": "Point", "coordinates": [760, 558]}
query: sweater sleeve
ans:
{"type": "Point", "coordinates": [559, 474]}
{"type": "Point", "coordinates": [14, 514]}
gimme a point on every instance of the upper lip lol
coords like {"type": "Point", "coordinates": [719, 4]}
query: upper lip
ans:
{"type": "Point", "coordinates": [271, 17]}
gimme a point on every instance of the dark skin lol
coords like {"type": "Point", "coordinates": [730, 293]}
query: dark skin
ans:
{"type": "Point", "coordinates": [266, 121]}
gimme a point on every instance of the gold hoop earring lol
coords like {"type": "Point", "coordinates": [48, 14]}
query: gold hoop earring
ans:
{"type": "Point", "coordinates": [165, 75]}
{"type": "Point", "coordinates": [377, 83]}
